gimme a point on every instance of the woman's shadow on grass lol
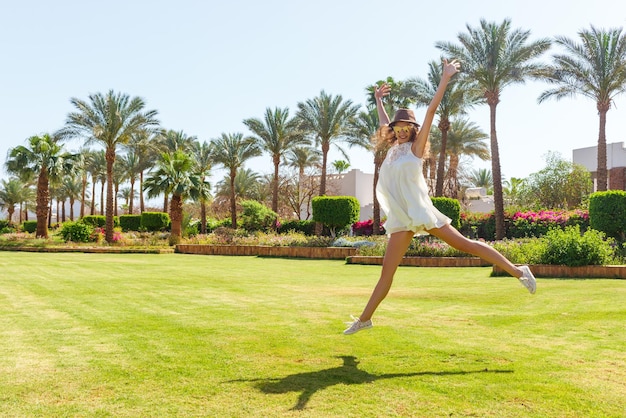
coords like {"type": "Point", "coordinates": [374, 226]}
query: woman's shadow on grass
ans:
{"type": "Point", "coordinates": [349, 374]}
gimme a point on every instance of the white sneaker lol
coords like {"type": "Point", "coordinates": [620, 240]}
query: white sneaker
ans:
{"type": "Point", "coordinates": [528, 280]}
{"type": "Point", "coordinates": [356, 325]}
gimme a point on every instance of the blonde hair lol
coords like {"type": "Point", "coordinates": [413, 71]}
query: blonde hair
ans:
{"type": "Point", "coordinates": [386, 134]}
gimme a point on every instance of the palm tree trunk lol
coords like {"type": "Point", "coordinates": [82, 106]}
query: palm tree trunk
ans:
{"type": "Point", "coordinates": [498, 198]}
{"type": "Point", "coordinates": [102, 205]}
{"type": "Point", "coordinates": [71, 209]}
{"type": "Point", "coordinates": [233, 206]}
{"type": "Point", "coordinates": [275, 183]}
{"type": "Point", "coordinates": [110, 158]}
{"type": "Point", "coordinates": [444, 127]}
{"type": "Point", "coordinates": [93, 196]}
{"type": "Point", "coordinates": [82, 195]}
{"type": "Point", "coordinates": [325, 149]}
{"type": "Point", "coordinates": [141, 206]}
{"type": "Point", "coordinates": [176, 215]}
{"type": "Point", "coordinates": [41, 209]}
{"type": "Point", "coordinates": [602, 169]}
{"type": "Point", "coordinates": [130, 197]}
{"type": "Point", "coordinates": [202, 217]}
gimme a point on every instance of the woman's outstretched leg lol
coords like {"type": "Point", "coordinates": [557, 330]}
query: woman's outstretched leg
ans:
{"type": "Point", "coordinates": [396, 248]}
{"type": "Point", "coordinates": [454, 238]}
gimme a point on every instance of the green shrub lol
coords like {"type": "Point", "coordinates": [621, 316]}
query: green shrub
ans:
{"type": "Point", "coordinates": [449, 207]}
{"type": "Point", "coordinates": [522, 251]}
{"type": "Point", "coordinates": [257, 217]}
{"type": "Point", "coordinates": [307, 227]}
{"type": "Point", "coordinates": [95, 220]}
{"type": "Point", "coordinates": [568, 247]}
{"type": "Point", "coordinates": [130, 222]}
{"type": "Point", "coordinates": [155, 221]}
{"type": "Point", "coordinates": [29, 226]}
{"type": "Point", "coordinates": [76, 231]}
{"type": "Point", "coordinates": [607, 213]}
{"type": "Point", "coordinates": [335, 212]}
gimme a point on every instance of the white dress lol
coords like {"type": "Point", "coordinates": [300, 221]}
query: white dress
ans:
{"type": "Point", "coordinates": [403, 195]}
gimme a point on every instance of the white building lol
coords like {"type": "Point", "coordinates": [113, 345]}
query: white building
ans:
{"type": "Point", "coordinates": [615, 164]}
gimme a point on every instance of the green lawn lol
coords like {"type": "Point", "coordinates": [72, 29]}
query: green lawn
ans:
{"type": "Point", "coordinates": [182, 335]}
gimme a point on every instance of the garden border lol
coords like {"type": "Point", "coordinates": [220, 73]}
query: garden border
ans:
{"type": "Point", "coordinates": [582, 272]}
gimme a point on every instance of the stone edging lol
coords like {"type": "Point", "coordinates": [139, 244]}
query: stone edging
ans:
{"type": "Point", "coordinates": [423, 261]}
{"type": "Point", "coordinates": [548, 270]}
{"type": "Point", "coordinates": [331, 253]}
{"type": "Point", "coordinates": [94, 250]}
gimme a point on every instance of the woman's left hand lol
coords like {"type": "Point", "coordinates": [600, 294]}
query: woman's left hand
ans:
{"type": "Point", "coordinates": [451, 68]}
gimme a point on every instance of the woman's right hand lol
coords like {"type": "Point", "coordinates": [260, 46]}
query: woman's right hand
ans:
{"type": "Point", "coordinates": [381, 91]}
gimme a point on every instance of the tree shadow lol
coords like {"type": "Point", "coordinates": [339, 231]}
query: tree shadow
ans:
{"type": "Point", "coordinates": [349, 374]}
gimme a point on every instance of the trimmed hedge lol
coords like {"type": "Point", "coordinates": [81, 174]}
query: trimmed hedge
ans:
{"type": "Point", "coordinates": [449, 207]}
{"type": "Point", "coordinates": [155, 221]}
{"type": "Point", "coordinates": [307, 227]}
{"type": "Point", "coordinates": [335, 212]}
{"type": "Point", "coordinates": [29, 226]}
{"type": "Point", "coordinates": [130, 222]}
{"type": "Point", "coordinates": [607, 213]}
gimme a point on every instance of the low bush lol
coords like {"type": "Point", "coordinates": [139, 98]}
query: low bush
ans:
{"type": "Point", "coordinates": [307, 227]}
{"type": "Point", "coordinates": [155, 221]}
{"type": "Point", "coordinates": [76, 231]}
{"type": "Point", "coordinates": [130, 222]}
{"type": "Point", "coordinates": [607, 212]}
{"type": "Point", "coordinates": [256, 216]}
{"type": "Point", "coordinates": [29, 226]}
{"type": "Point", "coordinates": [571, 248]}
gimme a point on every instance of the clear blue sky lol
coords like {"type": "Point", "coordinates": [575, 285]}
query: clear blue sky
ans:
{"type": "Point", "coordinates": [207, 65]}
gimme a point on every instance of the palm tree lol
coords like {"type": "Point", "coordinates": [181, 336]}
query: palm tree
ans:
{"type": "Point", "coordinates": [144, 144]}
{"type": "Point", "coordinates": [496, 56]}
{"type": "Point", "coordinates": [169, 142]}
{"type": "Point", "coordinates": [96, 167]}
{"type": "Point", "coordinates": [204, 162]}
{"type": "Point", "coordinates": [302, 158]}
{"type": "Point", "coordinates": [44, 158]}
{"type": "Point", "coordinates": [175, 175]}
{"type": "Point", "coordinates": [596, 69]}
{"type": "Point", "coordinates": [326, 119]}
{"type": "Point", "coordinates": [72, 188]}
{"type": "Point", "coordinates": [11, 195]}
{"type": "Point", "coordinates": [246, 185]}
{"type": "Point", "coordinates": [232, 151]}
{"type": "Point", "coordinates": [276, 134]}
{"type": "Point", "coordinates": [340, 166]}
{"type": "Point", "coordinates": [458, 97]}
{"type": "Point", "coordinates": [482, 178]}
{"type": "Point", "coordinates": [464, 138]}
{"type": "Point", "coordinates": [130, 166]}
{"type": "Point", "coordinates": [109, 120]}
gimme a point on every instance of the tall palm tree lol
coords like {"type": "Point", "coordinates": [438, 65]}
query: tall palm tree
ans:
{"type": "Point", "coordinates": [276, 134]}
{"type": "Point", "coordinates": [129, 164]}
{"type": "Point", "coordinates": [204, 162]}
{"type": "Point", "coordinates": [144, 144]}
{"type": "Point", "coordinates": [109, 120]}
{"type": "Point", "coordinates": [302, 158]}
{"type": "Point", "coordinates": [595, 68]}
{"type": "Point", "coordinates": [457, 99]}
{"type": "Point", "coordinates": [175, 175]}
{"type": "Point", "coordinates": [496, 56]}
{"type": "Point", "coordinates": [231, 151]}
{"type": "Point", "coordinates": [326, 119]}
{"type": "Point", "coordinates": [72, 188]}
{"type": "Point", "coordinates": [43, 157]}
{"type": "Point", "coordinates": [464, 138]}
{"type": "Point", "coordinates": [246, 185]}
{"type": "Point", "coordinates": [96, 167]}
{"type": "Point", "coordinates": [170, 141]}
